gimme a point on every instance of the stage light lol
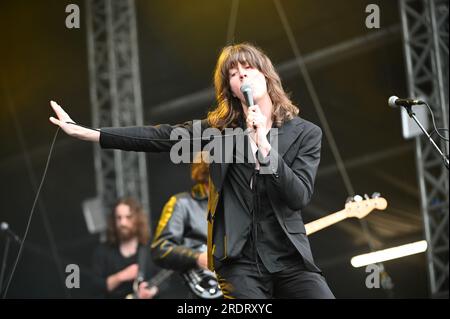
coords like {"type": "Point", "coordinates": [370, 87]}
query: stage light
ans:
{"type": "Point", "coordinates": [388, 254]}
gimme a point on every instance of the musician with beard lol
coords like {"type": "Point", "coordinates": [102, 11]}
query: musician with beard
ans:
{"type": "Point", "coordinates": [116, 262]}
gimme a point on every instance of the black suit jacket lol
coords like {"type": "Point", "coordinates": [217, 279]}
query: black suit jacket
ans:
{"type": "Point", "coordinates": [293, 165]}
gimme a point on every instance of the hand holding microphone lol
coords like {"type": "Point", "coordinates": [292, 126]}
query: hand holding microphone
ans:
{"type": "Point", "coordinates": [255, 118]}
{"type": "Point", "coordinates": [247, 92]}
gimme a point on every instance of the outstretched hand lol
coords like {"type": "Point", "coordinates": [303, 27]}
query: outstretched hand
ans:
{"type": "Point", "coordinates": [63, 119]}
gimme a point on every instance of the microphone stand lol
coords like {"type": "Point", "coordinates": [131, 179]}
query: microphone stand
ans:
{"type": "Point", "coordinates": [9, 235]}
{"type": "Point", "coordinates": [413, 116]}
{"type": "Point", "coordinates": [5, 255]}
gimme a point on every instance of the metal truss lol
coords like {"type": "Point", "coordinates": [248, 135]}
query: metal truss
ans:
{"type": "Point", "coordinates": [425, 32]}
{"type": "Point", "coordinates": [116, 100]}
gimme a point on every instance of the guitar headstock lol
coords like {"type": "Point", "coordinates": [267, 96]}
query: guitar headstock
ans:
{"type": "Point", "coordinates": [359, 207]}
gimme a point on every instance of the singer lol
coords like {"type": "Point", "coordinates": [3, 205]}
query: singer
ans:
{"type": "Point", "coordinates": [257, 243]}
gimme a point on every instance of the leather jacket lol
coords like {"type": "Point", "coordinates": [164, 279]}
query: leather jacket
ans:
{"type": "Point", "coordinates": [181, 233]}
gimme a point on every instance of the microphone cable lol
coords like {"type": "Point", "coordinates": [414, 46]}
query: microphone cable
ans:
{"type": "Point", "coordinates": [16, 261]}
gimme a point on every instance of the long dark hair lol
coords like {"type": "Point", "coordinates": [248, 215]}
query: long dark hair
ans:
{"type": "Point", "coordinates": [229, 111]}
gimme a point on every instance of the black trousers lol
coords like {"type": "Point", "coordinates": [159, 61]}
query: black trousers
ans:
{"type": "Point", "coordinates": [242, 280]}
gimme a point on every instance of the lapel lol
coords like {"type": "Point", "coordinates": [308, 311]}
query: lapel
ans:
{"type": "Point", "coordinates": [281, 141]}
{"type": "Point", "coordinates": [219, 170]}
{"type": "Point", "coordinates": [287, 134]}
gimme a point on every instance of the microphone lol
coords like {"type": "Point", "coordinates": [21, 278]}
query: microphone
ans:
{"type": "Point", "coordinates": [247, 91]}
{"type": "Point", "coordinates": [4, 228]}
{"type": "Point", "coordinates": [394, 101]}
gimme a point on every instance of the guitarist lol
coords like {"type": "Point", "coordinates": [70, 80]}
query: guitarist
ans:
{"type": "Point", "coordinates": [117, 263]}
{"type": "Point", "coordinates": [182, 226]}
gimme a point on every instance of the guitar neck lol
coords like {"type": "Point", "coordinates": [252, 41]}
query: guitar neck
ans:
{"type": "Point", "coordinates": [160, 277]}
{"type": "Point", "coordinates": [155, 281]}
{"type": "Point", "coordinates": [324, 222]}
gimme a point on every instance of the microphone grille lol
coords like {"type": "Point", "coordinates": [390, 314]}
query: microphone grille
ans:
{"type": "Point", "coordinates": [392, 100]}
{"type": "Point", "coordinates": [245, 88]}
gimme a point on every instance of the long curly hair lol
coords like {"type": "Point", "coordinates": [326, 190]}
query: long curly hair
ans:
{"type": "Point", "coordinates": [140, 219]}
{"type": "Point", "coordinates": [229, 112]}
